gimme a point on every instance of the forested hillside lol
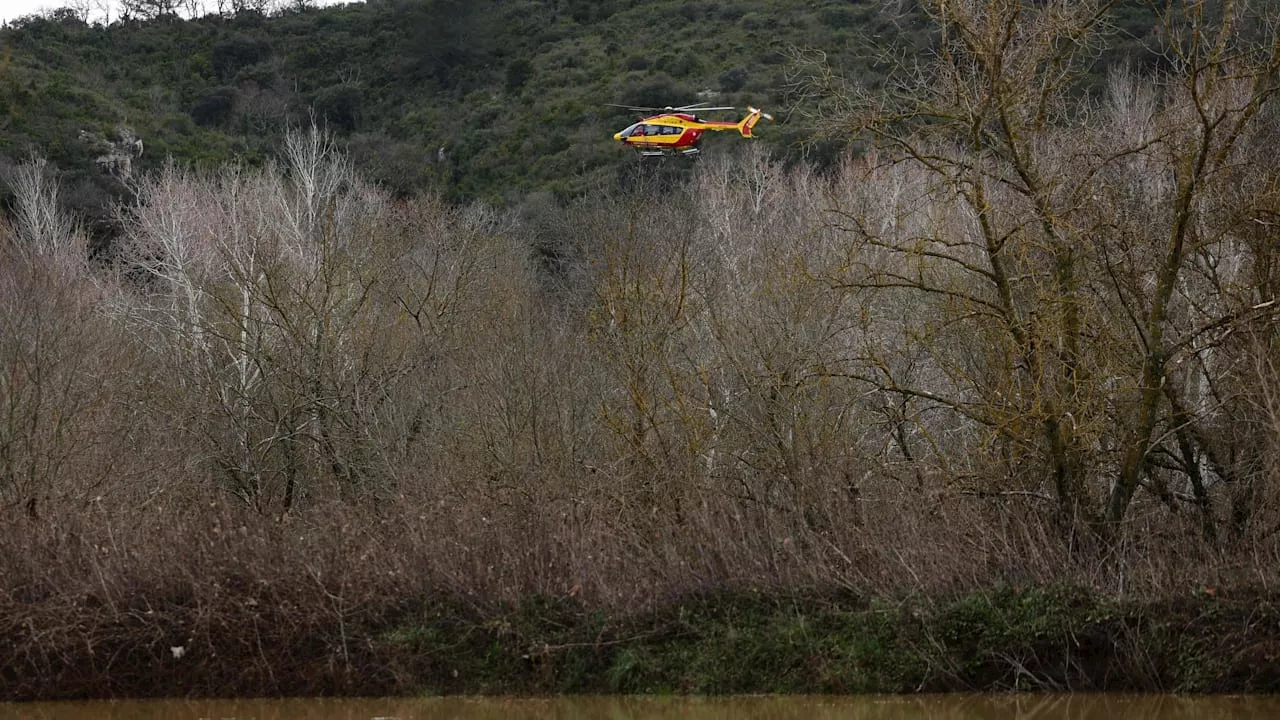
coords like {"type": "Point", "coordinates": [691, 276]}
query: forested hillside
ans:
{"type": "Point", "coordinates": [475, 99]}
{"type": "Point", "coordinates": [479, 99]}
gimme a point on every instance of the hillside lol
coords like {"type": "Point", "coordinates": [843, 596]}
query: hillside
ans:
{"type": "Point", "coordinates": [483, 99]}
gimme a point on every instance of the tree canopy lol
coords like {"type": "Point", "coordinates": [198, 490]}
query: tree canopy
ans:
{"type": "Point", "coordinates": [482, 99]}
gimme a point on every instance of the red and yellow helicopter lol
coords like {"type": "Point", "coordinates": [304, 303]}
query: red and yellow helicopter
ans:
{"type": "Point", "coordinates": [677, 130]}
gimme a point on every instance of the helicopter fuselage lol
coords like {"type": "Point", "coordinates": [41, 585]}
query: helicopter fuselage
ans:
{"type": "Point", "coordinates": [663, 133]}
{"type": "Point", "coordinates": [678, 132]}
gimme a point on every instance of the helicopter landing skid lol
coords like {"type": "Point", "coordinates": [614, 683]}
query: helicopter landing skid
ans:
{"type": "Point", "coordinates": [687, 152]}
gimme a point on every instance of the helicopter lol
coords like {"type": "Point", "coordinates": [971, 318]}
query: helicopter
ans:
{"type": "Point", "coordinates": [677, 130]}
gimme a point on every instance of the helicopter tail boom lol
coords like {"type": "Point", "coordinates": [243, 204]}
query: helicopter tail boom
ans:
{"type": "Point", "coordinates": [743, 126]}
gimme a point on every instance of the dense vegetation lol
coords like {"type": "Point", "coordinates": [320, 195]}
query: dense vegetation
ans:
{"type": "Point", "coordinates": [1007, 378]}
{"type": "Point", "coordinates": [477, 99]}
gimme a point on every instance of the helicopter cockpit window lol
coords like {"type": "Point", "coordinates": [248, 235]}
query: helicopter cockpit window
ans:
{"type": "Point", "coordinates": [642, 130]}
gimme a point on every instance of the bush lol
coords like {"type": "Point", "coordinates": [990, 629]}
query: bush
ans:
{"type": "Point", "coordinates": [839, 17]}
{"type": "Point", "coordinates": [518, 72]}
{"type": "Point", "coordinates": [237, 52]}
{"type": "Point", "coordinates": [214, 107]}
{"type": "Point", "coordinates": [340, 106]}
{"type": "Point", "coordinates": [733, 80]}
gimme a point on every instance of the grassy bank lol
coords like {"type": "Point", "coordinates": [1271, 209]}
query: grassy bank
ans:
{"type": "Point", "coordinates": [1002, 639]}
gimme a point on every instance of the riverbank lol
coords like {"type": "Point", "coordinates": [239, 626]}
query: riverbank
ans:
{"type": "Point", "coordinates": [1002, 639]}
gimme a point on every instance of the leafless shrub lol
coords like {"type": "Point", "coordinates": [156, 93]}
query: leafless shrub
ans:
{"type": "Point", "coordinates": [42, 226]}
{"type": "Point", "coordinates": [63, 371]}
{"type": "Point", "coordinates": [261, 283]}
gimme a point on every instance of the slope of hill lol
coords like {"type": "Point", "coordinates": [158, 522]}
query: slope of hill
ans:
{"type": "Point", "coordinates": [474, 99]}
{"type": "Point", "coordinates": [480, 99]}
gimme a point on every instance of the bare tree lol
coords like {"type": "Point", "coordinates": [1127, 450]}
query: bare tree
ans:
{"type": "Point", "coordinates": [1069, 240]}
{"type": "Point", "coordinates": [235, 7]}
{"type": "Point", "coordinates": [1226, 78]}
{"type": "Point", "coordinates": [42, 225]}
{"type": "Point", "coordinates": [62, 363]}
{"type": "Point", "coordinates": [151, 9]}
{"type": "Point", "coordinates": [301, 310]}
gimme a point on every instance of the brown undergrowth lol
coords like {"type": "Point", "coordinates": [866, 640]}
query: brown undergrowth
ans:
{"type": "Point", "coordinates": [209, 600]}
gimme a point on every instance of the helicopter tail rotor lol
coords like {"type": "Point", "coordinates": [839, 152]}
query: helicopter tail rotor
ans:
{"type": "Point", "coordinates": [749, 122]}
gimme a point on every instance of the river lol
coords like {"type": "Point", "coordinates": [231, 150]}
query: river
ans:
{"type": "Point", "coordinates": [874, 707]}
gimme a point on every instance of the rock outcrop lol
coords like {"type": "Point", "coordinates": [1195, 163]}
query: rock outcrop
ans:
{"type": "Point", "coordinates": [115, 152]}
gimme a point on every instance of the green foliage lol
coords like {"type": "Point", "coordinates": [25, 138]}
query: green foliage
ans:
{"type": "Point", "coordinates": [213, 107]}
{"type": "Point", "coordinates": [1006, 638]}
{"type": "Point", "coordinates": [512, 91]}
{"type": "Point", "coordinates": [239, 51]}
{"type": "Point", "coordinates": [340, 107]}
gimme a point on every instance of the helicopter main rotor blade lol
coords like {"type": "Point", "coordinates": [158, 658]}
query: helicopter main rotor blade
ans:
{"type": "Point", "coordinates": [696, 107]}
{"type": "Point", "coordinates": [633, 108]}
{"type": "Point", "coordinates": [700, 107]}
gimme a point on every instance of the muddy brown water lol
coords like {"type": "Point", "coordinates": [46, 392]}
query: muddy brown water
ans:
{"type": "Point", "coordinates": [934, 707]}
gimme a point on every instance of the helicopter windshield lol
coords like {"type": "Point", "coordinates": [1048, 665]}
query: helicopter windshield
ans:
{"type": "Point", "coordinates": [632, 130]}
